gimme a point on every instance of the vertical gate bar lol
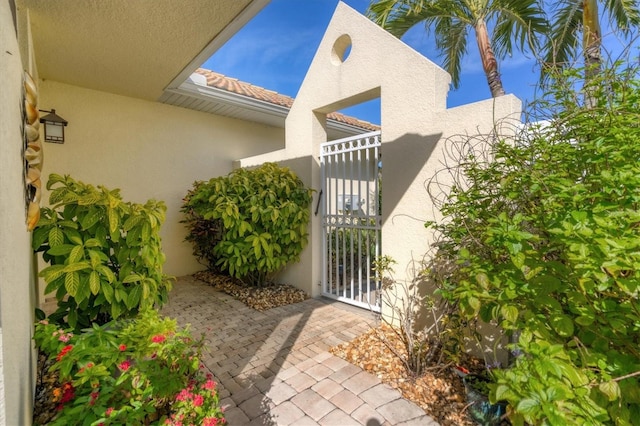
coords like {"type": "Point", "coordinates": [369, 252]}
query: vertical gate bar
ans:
{"type": "Point", "coordinates": [342, 218]}
{"type": "Point", "coordinates": [370, 176]}
{"type": "Point", "coordinates": [325, 256]}
{"type": "Point", "coordinates": [378, 220]}
{"type": "Point", "coordinates": [351, 220]}
{"type": "Point", "coordinates": [329, 229]}
{"type": "Point", "coordinates": [367, 240]}
{"type": "Point", "coordinates": [336, 250]}
{"type": "Point", "coordinates": [360, 211]}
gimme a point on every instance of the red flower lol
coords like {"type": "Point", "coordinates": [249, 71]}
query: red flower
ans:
{"type": "Point", "coordinates": [94, 396]}
{"type": "Point", "coordinates": [67, 393]}
{"type": "Point", "coordinates": [124, 365]}
{"type": "Point", "coordinates": [122, 348]}
{"type": "Point", "coordinates": [64, 351]}
{"type": "Point", "coordinates": [210, 421]}
{"type": "Point", "coordinates": [108, 412]}
{"type": "Point", "coordinates": [158, 338]}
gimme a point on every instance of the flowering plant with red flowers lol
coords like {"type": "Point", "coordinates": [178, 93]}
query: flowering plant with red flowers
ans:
{"type": "Point", "coordinates": [139, 371]}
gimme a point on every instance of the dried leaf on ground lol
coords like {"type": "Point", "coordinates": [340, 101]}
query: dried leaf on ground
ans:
{"type": "Point", "coordinates": [439, 392]}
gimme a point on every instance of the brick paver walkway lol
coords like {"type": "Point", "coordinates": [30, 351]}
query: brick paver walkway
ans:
{"type": "Point", "coordinates": [273, 367]}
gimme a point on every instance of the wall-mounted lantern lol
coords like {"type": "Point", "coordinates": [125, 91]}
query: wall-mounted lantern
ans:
{"type": "Point", "coordinates": [53, 127]}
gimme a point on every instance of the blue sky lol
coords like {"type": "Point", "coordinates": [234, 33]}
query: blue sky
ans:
{"type": "Point", "coordinates": [275, 49]}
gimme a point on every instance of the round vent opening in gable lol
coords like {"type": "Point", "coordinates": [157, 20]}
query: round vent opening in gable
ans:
{"type": "Point", "coordinates": [341, 49]}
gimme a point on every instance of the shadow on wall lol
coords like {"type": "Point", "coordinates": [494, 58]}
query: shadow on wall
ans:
{"type": "Point", "coordinates": [402, 161]}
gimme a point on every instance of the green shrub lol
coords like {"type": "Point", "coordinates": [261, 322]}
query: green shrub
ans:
{"type": "Point", "coordinates": [139, 371]}
{"type": "Point", "coordinates": [105, 254]}
{"type": "Point", "coordinates": [204, 234]}
{"type": "Point", "coordinates": [545, 230]}
{"type": "Point", "coordinates": [264, 214]}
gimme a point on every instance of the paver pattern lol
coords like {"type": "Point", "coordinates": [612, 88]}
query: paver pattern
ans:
{"type": "Point", "coordinates": [273, 367]}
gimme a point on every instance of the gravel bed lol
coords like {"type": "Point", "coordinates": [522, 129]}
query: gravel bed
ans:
{"type": "Point", "coordinates": [258, 298]}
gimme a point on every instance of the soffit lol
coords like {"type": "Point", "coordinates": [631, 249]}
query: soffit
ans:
{"type": "Point", "coordinates": [132, 48]}
{"type": "Point", "coordinates": [215, 93]}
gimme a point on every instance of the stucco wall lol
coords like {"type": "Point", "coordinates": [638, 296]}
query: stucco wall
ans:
{"type": "Point", "coordinates": [148, 150]}
{"type": "Point", "coordinates": [17, 281]}
{"type": "Point", "coordinates": [415, 124]}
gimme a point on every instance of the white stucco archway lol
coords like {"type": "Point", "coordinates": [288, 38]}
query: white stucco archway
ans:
{"type": "Point", "coordinates": [357, 61]}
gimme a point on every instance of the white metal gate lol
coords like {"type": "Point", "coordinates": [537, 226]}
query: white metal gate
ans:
{"type": "Point", "coordinates": [351, 219]}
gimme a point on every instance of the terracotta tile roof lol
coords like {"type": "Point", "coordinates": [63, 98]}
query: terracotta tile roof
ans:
{"type": "Point", "coordinates": [234, 85]}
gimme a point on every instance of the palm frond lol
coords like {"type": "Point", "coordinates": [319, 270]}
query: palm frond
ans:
{"type": "Point", "coordinates": [393, 15]}
{"type": "Point", "coordinates": [522, 21]}
{"type": "Point", "coordinates": [451, 39]}
{"type": "Point", "coordinates": [562, 41]}
{"type": "Point", "coordinates": [625, 14]}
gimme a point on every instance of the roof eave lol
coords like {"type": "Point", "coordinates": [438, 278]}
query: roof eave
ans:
{"type": "Point", "coordinates": [209, 93]}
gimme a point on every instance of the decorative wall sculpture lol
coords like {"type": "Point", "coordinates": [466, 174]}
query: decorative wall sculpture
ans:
{"type": "Point", "coordinates": [32, 148]}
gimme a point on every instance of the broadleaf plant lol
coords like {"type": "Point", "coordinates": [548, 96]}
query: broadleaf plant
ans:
{"type": "Point", "coordinates": [263, 213]}
{"type": "Point", "coordinates": [545, 230]}
{"type": "Point", "coordinates": [105, 256]}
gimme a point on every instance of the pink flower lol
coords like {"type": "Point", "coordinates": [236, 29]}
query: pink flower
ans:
{"type": "Point", "coordinates": [122, 347]}
{"type": "Point", "coordinates": [198, 400]}
{"type": "Point", "coordinates": [124, 365]}
{"type": "Point", "coordinates": [210, 421]}
{"type": "Point", "coordinates": [64, 337]}
{"type": "Point", "coordinates": [209, 385]}
{"type": "Point", "coordinates": [184, 395]}
{"type": "Point", "coordinates": [108, 412]}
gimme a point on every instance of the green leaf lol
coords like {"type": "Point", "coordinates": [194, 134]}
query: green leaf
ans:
{"type": "Point", "coordinates": [135, 293]}
{"type": "Point", "coordinates": [60, 250]}
{"type": "Point", "coordinates": [107, 290]}
{"type": "Point", "coordinates": [483, 280]}
{"type": "Point", "coordinates": [76, 254]}
{"type": "Point", "coordinates": [116, 310]}
{"type": "Point", "coordinates": [500, 392]}
{"type": "Point", "coordinates": [106, 272]}
{"type": "Point", "coordinates": [474, 303]}
{"type": "Point", "coordinates": [56, 237]}
{"type": "Point", "coordinates": [73, 236]}
{"type": "Point", "coordinates": [92, 243]}
{"type": "Point", "coordinates": [78, 266]}
{"type": "Point", "coordinates": [114, 220]}
{"type": "Point", "coordinates": [83, 291]}
{"type": "Point", "coordinates": [132, 278]}
{"type": "Point", "coordinates": [563, 325]}
{"type": "Point", "coordinates": [611, 389]}
{"type": "Point", "coordinates": [94, 282]}
{"type": "Point", "coordinates": [52, 272]}
{"type": "Point", "coordinates": [528, 406]}
{"type": "Point", "coordinates": [510, 313]}
{"type": "Point", "coordinates": [71, 283]}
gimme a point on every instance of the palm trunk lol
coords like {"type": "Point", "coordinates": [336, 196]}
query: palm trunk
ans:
{"type": "Point", "coordinates": [591, 42]}
{"type": "Point", "coordinates": [489, 62]}
{"type": "Point", "coordinates": [591, 37]}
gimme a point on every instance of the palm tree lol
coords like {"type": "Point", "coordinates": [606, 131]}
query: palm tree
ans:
{"type": "Point", "coordinates": [513, 20]}
{"type": "Point", "coordinates": [572, 17]}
